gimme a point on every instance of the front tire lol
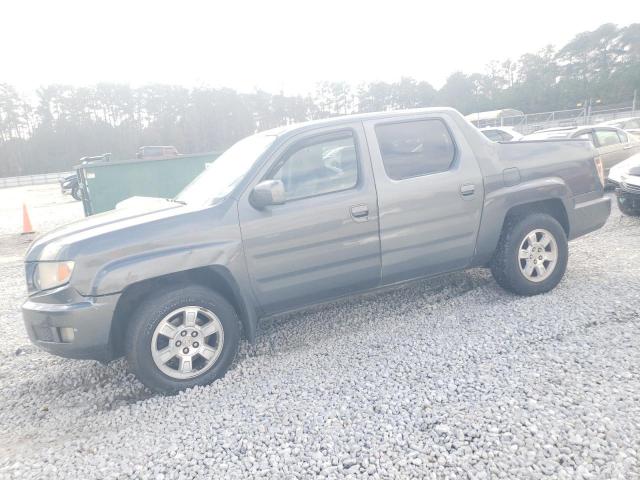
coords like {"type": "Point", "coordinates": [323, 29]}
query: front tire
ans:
{"type": "Point", "coordinates": [182, 337]}
{"type": "Point", "coordinates": [531, 256]}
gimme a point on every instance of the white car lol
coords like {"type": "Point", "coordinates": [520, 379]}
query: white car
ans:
{"type": "Point", "coordinates": [501, 134]}
{"type": "Point", "coordinates": [626, 177]}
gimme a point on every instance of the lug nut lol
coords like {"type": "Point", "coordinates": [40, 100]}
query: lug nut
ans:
{"type": "Point", "coordinates": [535, 262]}
{"type": "Point", "coordinates": [540, 257]}
{"type": "Point", "coordinates": [183, 333]}
{"type": "Point", "coordinates": [196, 344]}
{"type": "Point", "coordinates": [185, 350]}
{"type": "Point", "coordinates": [178, 343]}
{"type": "Point", "coordinates": [194, 334]}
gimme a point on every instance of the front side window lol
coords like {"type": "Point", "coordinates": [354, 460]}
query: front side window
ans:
{"type": "Point", "coordinates": [317, 166]}
{"type": "Point", "coordinates": [413, 149]}
{"type": "Point", "coordinates": [607, 137]}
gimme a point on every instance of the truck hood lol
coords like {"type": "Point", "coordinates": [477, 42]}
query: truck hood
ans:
{"type": "Point", "coordinates": [622, 169]}
{"type": "Point", "coordinates": [52, 245]}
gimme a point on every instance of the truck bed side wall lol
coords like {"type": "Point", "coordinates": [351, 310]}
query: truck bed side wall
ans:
{"type": "Point", "coordinates": [521, 173]}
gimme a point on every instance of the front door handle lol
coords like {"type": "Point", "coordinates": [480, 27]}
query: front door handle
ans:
{"type": "Point", "coordinates": [360, 213]}
{"type": "Point", "coordinates": [627, 147]}
{"type": "Point", "coordinates": [467, 189]}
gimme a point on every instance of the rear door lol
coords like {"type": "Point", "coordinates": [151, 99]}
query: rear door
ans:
{"type": "Point", "coordinates": [430, 194]}
{"type": "Point", "coordinates": [609, 146]}
{"type": "Point", "coordinates": [323, 242]}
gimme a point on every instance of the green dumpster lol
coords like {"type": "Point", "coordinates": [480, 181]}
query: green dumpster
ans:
{"type": "Point", "coordinates": [105, 183]}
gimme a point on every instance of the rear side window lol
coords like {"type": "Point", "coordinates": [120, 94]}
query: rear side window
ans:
{"type": "Point", "coordinates": [607, 137]}
{"type": "Point", "coordinates": [413, 149]}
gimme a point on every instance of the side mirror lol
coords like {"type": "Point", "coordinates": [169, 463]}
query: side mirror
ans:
{"type": "Point", "coordinates": [267, 192]}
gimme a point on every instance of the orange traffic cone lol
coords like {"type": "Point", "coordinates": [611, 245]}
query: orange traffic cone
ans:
{"type": "Point", "coordinates": [26, 223]}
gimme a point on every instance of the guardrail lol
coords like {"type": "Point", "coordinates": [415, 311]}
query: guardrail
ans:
{"type": "Point", "coordinates": [38, 179]}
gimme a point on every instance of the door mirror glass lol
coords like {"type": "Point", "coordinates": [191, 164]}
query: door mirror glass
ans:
{"type": "Point", "coordinates": [268, 192]}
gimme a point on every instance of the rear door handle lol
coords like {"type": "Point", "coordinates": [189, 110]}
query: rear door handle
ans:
{"type": "Point", "coordinates": [627, 147]}
{"type": "Point", "coordinates": [360, 213]}
{"type": "Point", "coordinates": [467, 189]}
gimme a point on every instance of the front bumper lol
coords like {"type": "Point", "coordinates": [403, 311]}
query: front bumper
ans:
{"type": "Point", "coordinates": [629, 195]}
{"type": "Point", "coordinates": [589, 215]}
{"type": "Point", "coordinates": [89, 317]}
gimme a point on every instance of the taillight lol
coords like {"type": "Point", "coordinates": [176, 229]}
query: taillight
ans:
{"type": "Point", "coordinates": [598, 161]}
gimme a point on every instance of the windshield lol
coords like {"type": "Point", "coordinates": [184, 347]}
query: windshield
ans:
{"type": "Point", "coordinates": [221, 176]}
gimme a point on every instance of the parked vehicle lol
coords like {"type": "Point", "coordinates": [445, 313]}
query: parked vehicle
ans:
{"type": "Point", "coordinates": [612, 144]}
{"type": "Point", "coordinates": [301, 215]}
{"type": "Point", "coordinates": [157, 152]}
{"type": "Point", "coordinates": [69, 186]}
{"type": "Point", "coordinates": [628, 124]}
{"type": "Point", "coordinates": [626, 178]}
{"type": "Point", "coordinates": [501, 134]}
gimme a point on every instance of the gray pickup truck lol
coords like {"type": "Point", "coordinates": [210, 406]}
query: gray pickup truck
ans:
{"type": "Point", "coordinates": [301, 215]}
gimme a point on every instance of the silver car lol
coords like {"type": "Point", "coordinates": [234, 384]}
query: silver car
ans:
{"type": "Point", "coordinates": [612, 144]}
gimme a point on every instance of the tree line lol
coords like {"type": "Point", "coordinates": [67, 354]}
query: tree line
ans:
{"type": "Point", "coordinates": [65, 123]}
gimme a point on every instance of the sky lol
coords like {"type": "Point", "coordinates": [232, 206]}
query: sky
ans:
{"type": "Point", "coordinates": [279, 45]}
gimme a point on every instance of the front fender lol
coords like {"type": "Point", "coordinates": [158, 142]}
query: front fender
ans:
{"type": "Point", "coordinates": [223, 258]}
{"type": "Point", "coordinates": [116, 275]}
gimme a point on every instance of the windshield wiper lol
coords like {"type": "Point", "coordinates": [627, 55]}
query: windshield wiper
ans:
{"type": "Point", "coordinates": [174, 200]}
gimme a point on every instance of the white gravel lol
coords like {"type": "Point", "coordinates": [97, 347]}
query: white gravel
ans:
{"type": "Point", "coordinates": [449, 378]}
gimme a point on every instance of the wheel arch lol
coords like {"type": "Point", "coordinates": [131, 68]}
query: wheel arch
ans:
{"type": "Point", "coordinates": [217, 278]}
{"type": "Point", "coordinates": [549, 196]}
{"type": "Point", "coordinates": [551, 206]}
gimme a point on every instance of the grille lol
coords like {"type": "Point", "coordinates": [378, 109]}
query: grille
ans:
{"type": "Point", "coordinates": [627, 187]}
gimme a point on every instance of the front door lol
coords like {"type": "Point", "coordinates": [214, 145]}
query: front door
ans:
{"type": "Point", "coordinates": [323, 241]}
{"type": "Point", "coordinates": [430, 196]}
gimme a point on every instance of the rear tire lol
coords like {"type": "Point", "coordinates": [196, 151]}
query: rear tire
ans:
{"type": "Point", "coordinates": [531, 256]}
{"type": "Point", "coordinates": [182, 337]}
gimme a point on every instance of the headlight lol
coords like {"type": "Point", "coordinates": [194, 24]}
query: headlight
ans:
{"type": "Point", "coordinates": [52, 274]}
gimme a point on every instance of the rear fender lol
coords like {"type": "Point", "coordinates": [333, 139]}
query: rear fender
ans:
{"type": "Point", "coordinates": [498, 203]}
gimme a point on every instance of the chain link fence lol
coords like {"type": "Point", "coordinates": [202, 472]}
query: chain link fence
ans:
{"type": "Point", "coordinates": [531, 122]}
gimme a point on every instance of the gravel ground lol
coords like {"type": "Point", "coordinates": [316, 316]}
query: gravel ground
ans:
{"type": "Point", "coordinates": [451, 378]}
